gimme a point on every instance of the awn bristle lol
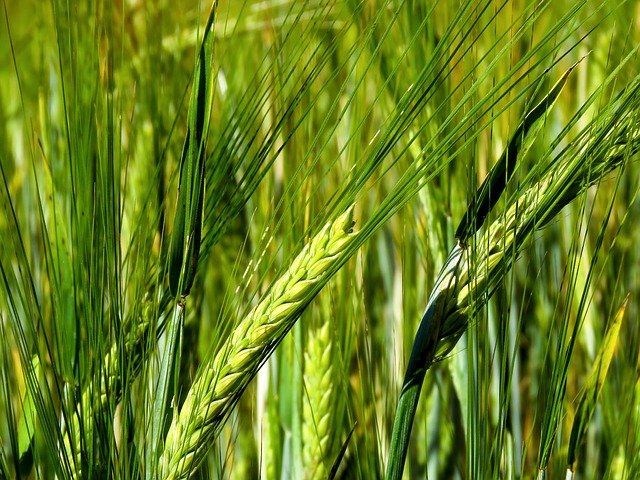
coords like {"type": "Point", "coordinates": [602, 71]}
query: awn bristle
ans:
{"type": "Point", "coordinates": [109, 392]}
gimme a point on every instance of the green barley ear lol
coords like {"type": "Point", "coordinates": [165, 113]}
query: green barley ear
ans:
{"type": "Point", "coordinates": [442, 303]}
{"type": "Point", "coordinates": [224, 378]}
{"type": "Point", "coordinates": [318, 408]}
{"type": "Point", "coordinates": [187, 227]}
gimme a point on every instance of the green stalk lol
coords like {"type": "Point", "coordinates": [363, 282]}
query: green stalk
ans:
{"type": "Point", "coordinates": [441, 303]}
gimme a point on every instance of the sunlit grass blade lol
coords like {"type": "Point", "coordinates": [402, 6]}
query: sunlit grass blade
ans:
{"type": "Point", "coordinates": [593, 387]}
{"type": "Point", "coordinates": [28, 422]}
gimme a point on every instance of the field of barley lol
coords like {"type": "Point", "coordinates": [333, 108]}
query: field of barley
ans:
{"type": "Point", "coordinates": [320, 239]}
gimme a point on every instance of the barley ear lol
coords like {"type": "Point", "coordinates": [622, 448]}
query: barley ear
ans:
{"type": "Point", "coordinates": [442, 307]}
{"type": "Point", "coordinates": [224, 378]}
{"type": "Point", "coordinates": [319, 404]}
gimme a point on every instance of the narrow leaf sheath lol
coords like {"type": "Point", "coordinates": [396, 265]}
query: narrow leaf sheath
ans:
{"type": "Point", "coordinates": [176, 249]}
{"type": "Point", "coordinates": [187, 229]}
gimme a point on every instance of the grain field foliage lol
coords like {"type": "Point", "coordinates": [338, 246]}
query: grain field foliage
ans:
{"type": "Point", "coordinates": [221, 223]}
